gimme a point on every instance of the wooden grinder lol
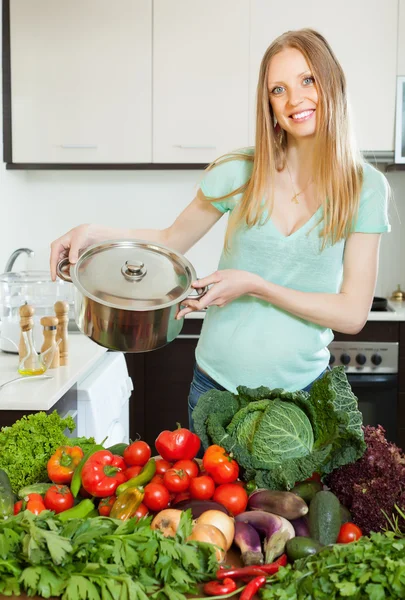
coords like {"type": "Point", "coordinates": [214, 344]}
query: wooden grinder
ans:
{"type": "Point", "coordinates": [49, 324]}
{"type": "Point", "coordinates": [26, 323]}
{"type": "Point", "coordinates": [62, 313]}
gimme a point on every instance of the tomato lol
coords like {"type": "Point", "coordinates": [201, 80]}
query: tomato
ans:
{"type": "Point", "coordinates": [314, 477]}
{"type": "Point", "coordinates": [233, 496]}
{"type": "Point", "coordinates": [105, 506]}
{"type": "Point", "coordinates": [34, 497]}
{"type": "Point", "coordinates": [176, 481]}
{"type": "Point", "coordinates": [156, 497]}
{"type": "Point", "coordinates": [137, 453]}
{"type": "Point", "coordinates": [220, 465]}
{"type": "Point", "coordinates": [141, 511]}
{"type": "Point", "coordinates": [18, 507]}
{"type": "Point", "coordinates": [189, 466]}
{"type": "Point", "coordinates": [202, 487]}
{"type": "Point", "coordinates": [162, 466]}
{"type": "Point", "coordinates": [180, 497]}
{"type": "Point", "coordinates": [349, 532]}
{"type": "Point", "coordinates": [58, 498]}
{"type": "Point", "coordinates": [35, 506]}
{"type": "Point", "coordinates": [157, 479]}
{"type": "Point", "coordinates": [132, 471]}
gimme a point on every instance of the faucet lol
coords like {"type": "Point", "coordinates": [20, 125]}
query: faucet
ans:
{"type": "Point", "coordinates": [15, 255]}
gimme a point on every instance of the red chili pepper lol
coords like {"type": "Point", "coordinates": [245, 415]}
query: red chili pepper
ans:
{"type": "Point", "coordinates": [220, 588]}
{"type": "Point", "coordinates": [253, 570]}
{"type": "Point", "coordinates": [178, 444]}
{"type": "Point", "coordinates": [253, 587]}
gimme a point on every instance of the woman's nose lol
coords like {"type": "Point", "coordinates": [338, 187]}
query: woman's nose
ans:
{"type": "Point", "coordinates": [295, 98]}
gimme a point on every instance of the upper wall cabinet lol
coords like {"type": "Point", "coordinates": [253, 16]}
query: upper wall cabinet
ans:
{"type": "Point", "coordinates": [81, 81]}
{"type": "Point", "coordinates": [363, 35]}
{"type": "Point", "coordinates": [200, 79]}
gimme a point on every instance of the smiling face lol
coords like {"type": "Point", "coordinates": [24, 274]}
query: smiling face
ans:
{"type": "Point", "coordinates": [292, 92]}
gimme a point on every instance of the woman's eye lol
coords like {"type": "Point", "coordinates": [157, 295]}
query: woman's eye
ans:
{"type": "Point", "coordinates": [277, 90]}
{"type": "Point", "coordinates": [308, 80]}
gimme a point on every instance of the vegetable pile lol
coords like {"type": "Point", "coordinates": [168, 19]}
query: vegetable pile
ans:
{"type": "Point", "coordinates": [280, 437]}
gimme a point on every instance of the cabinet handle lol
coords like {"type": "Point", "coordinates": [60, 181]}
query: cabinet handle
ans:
{"type": "Point", "coordinates": [188, 336]}
{"type": "Point", "coordinates": [79, 146]}
{"type": "Point", "coordinates": [184, 147]}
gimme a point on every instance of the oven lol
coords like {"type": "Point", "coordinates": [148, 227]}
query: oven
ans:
{"type": "Point", "coordinates": [372, 371]}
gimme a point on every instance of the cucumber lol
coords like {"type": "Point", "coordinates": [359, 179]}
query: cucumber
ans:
{"type": "Point", "coordinates": [324, 518]}
{"type": "Point", "coordinates": [6, 496]}
{"type": "Point", "coordinates": [307, 490]}
{"type": "Point", "coordinates": [300, 547]}
{"type": "Point", "coordinates": [118, 449]}
{"type": "Point", "coordinates": [34, 488]}
{"type": "Point", "coordinates": [345, 515]}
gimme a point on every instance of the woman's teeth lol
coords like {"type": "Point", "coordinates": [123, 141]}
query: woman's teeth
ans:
{"type": "Point", "coordinates": [302, 115]}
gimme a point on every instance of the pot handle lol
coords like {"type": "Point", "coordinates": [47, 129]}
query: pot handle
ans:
{"type": "Point", "coordinates": [199, 294]}
{"type": "Point", "coordinates": [63, 270]}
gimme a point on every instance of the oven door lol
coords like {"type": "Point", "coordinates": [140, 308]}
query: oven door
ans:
{"type": "Point", "coordinates": [378, 397]}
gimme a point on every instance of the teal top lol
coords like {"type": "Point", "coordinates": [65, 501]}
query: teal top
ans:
{"type": "Point", "coordinates": [251, 342]}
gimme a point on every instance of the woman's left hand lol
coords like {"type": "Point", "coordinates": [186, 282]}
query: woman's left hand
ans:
{"type": "Point", "coordinates": [227, 285]}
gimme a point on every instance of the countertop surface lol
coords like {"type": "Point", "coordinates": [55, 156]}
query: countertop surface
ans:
{"type": "Point", "coordinates": [42, 394]}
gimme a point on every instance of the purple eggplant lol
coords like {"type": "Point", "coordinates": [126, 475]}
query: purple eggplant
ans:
{"type": "Point", "coordinates": [276, 530]}
{"type": "Point", "coordinates": [198, 507]}
{"type": "Point", "coordinates": [301, 527]}
{"type": "Point", "coordinates": [284, 504]}
{"type": "Point", "coordinates": [248, 541]}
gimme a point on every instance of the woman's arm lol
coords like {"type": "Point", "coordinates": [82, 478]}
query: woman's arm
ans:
{"type": "Point", "coordinates": [345, 312]}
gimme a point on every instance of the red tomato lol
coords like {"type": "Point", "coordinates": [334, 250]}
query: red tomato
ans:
{"type": "Point", "coordinates": [220, 465]}
{"type": "Point", "coordinates": [137, 453]}
{"type": "Point", "coordinates": [232, 496]}
{"type": "Point", "coordinates": [162, 466]}
{"type": "Point", "coordinates": [58, 498]}
{"type": "Point", "coordinates": [141, 511]}
{"type": "Point", "coordinates": [34, 497]}
{"type": "Point", "coordinates": [18, 507]}
{"type": "Point", "coordinates": [314, 477]}
{"type": "Point", "coordinates": [181, 496]}
{"type": "Point", "coordinates": [35, 506]}
{"type": "Point", "coordinates": [156, 497]}
{"type": "Point", "coordinates": [105, 506]}
{"type": "Point", "coordinates": [176, 481]}
{"type": "Point", "coordinates": [189, 466]}
{"type": "Point", "coordinates": [132, 471]}
{"type": "Point", "coordinates": [157, 479]}
{"type": "Point", "coordinates": [349, 532]}
{"type": "Point", "coordinates": [202, 487]}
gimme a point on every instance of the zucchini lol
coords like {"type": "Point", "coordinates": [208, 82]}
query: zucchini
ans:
{"type": "Point", "coordinates": [324, 518]}
{"type": "Point", "coordinates": [300, 547]}
{"type": "Point", "coordinates": [306, 490]}
{"type": "Point", "coordinates": [6, 496]}
{"type": "Point", "coordinates": [118, 449]}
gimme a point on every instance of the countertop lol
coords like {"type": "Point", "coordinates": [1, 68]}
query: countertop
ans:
{"type": "Point", "coordinates": [44, 393]}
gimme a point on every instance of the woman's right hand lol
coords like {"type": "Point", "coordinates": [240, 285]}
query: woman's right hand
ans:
{"type": "Point", "coordinates": [71, 243]}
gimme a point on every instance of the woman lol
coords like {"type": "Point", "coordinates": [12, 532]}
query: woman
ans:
{"type": "Point", "coordinates": [302, 244]}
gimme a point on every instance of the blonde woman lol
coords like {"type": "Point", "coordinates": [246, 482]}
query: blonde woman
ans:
{"type": "Point", "coordinates": [306, 215]}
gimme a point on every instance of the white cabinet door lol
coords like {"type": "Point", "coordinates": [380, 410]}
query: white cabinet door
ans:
{"type": "Point", "coordinates": [363, 35]}
{"type": "Point", "coordinates": [200, 79]}
{"type": "Point", "coordinates": [81, 81]}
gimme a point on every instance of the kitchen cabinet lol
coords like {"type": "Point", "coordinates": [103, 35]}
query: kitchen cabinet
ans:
{"type": "Point", "coordinates": [200, 79]}
{"type": "Point", "coordinates": [401, 39]}
{"type": "Point", "coordinates": [363, 35]}
{"type": "Point", "coordinates": [81, 81]}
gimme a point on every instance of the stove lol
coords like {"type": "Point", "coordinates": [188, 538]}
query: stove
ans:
{"type": "Point", "coordinates": [365, 357]}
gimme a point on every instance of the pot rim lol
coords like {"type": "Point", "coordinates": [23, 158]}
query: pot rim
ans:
{"type": "Point", "coordinates": [130, 243]}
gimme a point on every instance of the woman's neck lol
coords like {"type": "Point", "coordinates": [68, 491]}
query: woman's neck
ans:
{"type": "Point", "coordinates": [300, 157]}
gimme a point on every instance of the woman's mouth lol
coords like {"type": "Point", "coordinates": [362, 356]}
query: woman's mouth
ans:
{"type": "Point", "coordinates": [302, 116]}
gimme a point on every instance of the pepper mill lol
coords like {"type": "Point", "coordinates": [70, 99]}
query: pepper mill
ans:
{"type": "Point", "coordinates": [50, 324]}
{"type": "Point", "coordinates": [62, 313]}
{"type": "Point", "coordinates": [26, 323]}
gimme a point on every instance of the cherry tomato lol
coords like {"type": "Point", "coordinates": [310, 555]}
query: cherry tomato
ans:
{"type": "Point", "coordinates": [58, 498]}
{"type": "Point", "coordinates": [220, 465]}
{"type": "Point", "coordinates": [180, 497]}
{"type": "Point", "coordinates": [162, 466]}
{"type": "Point", "coordinates": [233, 496]}
{"type": "Point", "coordinates": [35, 506]}
{"type": "Point", "coordinates": [132, 471]}
{"type": "Point", "coordinates": [141, 511]}
{"type": "Point", "coordinates": [156, 497]}
{"type": "Point", "coordinates": [34, 497]}
{"type": "Point", "coordinates": [157, 479]}
{"type": "Point", "coordinates": [314, 477]}
{"type": "Point", "coordinates": [202, 487]}
{"type": "Point", "coordinates": [189, 466]}
{"type": "Point", "coordinates": [137, 453]}
{"type": "Point", "coordinates": [349, 532]}
{"type": "Point", "coordinates": [176, 481]}
{"type": "Point", "coordinates": [105, 506]}
{"type": "Point", "coordinates": [18, 507]}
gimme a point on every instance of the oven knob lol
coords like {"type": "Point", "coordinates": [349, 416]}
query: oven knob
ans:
{"type": "Point", "coordinates": [344, 359]}
{"type": "Point", "coordinates": [331, 359]}
{"type": "Point", "coordinates": [376, 359]}
{"type": "Point", "coordinates": [361, 359]}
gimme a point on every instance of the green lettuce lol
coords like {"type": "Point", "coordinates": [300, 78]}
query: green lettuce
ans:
{"type": "Point", "coordinates": [280, 437]}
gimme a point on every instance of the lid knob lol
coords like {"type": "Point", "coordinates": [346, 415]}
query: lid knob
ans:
{"type": "Point", "coordinates": [133, 270]}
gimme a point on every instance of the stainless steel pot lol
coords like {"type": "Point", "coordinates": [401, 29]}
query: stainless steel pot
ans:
{"type": "Point", "coordinates": [128, 293]}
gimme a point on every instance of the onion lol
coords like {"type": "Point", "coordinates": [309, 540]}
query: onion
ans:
{"type": "Point", "coordinates": [221, 521]}
{"type": "Point", "coordinates": [167, 521]}
{"type": "Point", "coordinates": [210, 535]}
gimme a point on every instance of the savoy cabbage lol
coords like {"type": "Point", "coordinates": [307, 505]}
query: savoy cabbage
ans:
{"type": "Point", "coordinates": [280, 437]}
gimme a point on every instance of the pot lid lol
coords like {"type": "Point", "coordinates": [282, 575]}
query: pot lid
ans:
{"type": "Point", "coordinates": [133, 275]}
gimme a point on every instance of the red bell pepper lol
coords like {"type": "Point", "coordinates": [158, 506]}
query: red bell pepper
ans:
{"type": "Point", "coordinates": [178, 444]}
{"type": "Point", "coordinates": [103, 473]}
{"type": "Point", "coordinates": [63, 462]}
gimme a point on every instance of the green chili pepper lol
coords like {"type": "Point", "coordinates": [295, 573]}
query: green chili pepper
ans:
{"type": "Point", "coordinates": [144, 476]}
{"type": "Point", "coordinates": [82, 510]}
{"type": "Point", "coordinates": [76, 482]}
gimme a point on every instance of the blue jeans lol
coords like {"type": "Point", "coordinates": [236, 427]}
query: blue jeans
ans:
{"type": "Point", "coordinates": [202, 383]}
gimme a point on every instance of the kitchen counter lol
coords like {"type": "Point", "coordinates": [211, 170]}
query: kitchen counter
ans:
{"type": "Point", "coordinates": [42, 394]}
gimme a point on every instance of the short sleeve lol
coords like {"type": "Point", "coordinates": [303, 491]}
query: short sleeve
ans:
{"type": "Point", "coordinates": [225, 178]}
{"type": "Point", "coordinates": [373, 209]}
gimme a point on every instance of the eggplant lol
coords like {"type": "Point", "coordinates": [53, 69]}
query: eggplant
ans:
{"type": "Point", "coordinates": [276, 530]}
{"type": "Point", "coordinates": [248, 541]}
{"type": "Point", "coordinates": [283, 504]}
{"type": "Point", "coordinates": [301, 527]}
{"type": "Point", "coordinates": [198, 507]}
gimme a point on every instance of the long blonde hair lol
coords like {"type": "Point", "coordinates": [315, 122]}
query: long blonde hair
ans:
{"type": "Point", "coordinates": [338, 175]}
